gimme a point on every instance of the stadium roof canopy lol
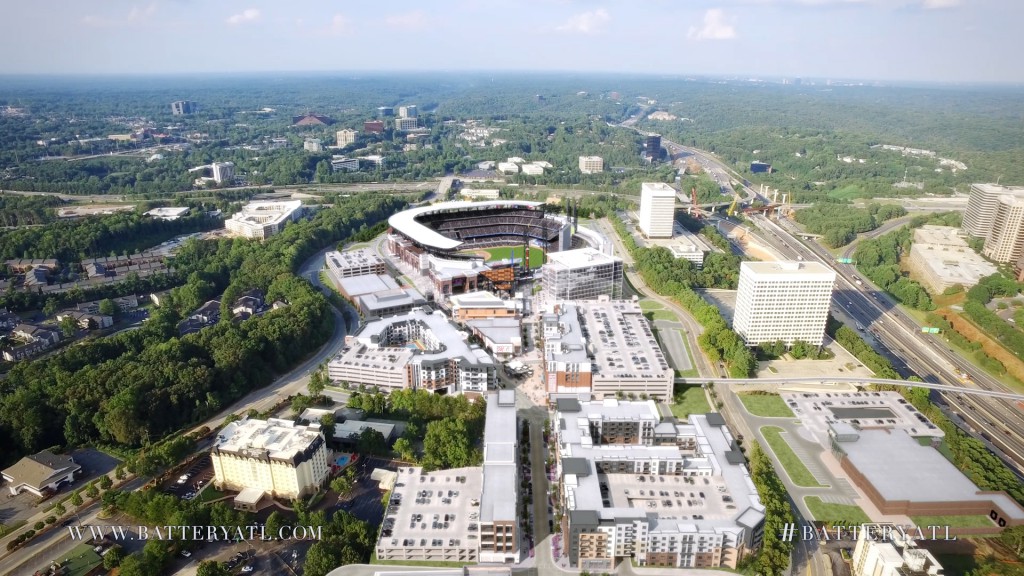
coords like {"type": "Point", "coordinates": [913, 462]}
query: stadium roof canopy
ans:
{"type": "Point", "coordinates": [406, 223]}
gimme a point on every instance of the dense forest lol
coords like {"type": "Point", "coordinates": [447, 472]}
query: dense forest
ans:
{"type": "Point", "coordinates": [134, 388]}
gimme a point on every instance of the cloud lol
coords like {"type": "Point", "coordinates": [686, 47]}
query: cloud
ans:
{"type": "Point", "coordinates": [247, 15]}
{"type": "Point", "coordinates": [714, 27]}
{"type": "Point", "coordinates": [137, 15]}
{"type": "Point", "coordinates": [339, 25]}
{"type": "Point", "coordinates": [939, 4]}
{"type": "Point", "coordinates": [590, 22]}
{"type": "Point", "coordinates": [415, 20]}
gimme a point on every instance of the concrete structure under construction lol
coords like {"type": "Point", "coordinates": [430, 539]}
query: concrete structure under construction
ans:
{"type": "Point", "coordinates": [581, 274]}
{"type": "Point", "coordinates": [657, 209]}
{"type": "Point", "coordinates": [276, 457]}
{"type": "Point", "coordinates": [654, 491]}
{"type": "Point", "coordinates": [786, 301]}
{"type": "Point", "coordinates": [261, 220]}
{"type": "Point", "coordinates": [415, 350]}
{"type": "Point", "coordinates": [465, 515]}
{"type": "Point", "coordinates": [941, 258]}
{"type": "Point", "coordinates": [603, 347]}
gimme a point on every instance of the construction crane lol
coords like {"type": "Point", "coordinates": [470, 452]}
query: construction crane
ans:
{"type": "Point", "coordinates": [732, 207]}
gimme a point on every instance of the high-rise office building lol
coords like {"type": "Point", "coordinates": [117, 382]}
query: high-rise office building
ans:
{"type": "Point", "coordinates": [402, 124]}
{"type": "Point", "coordinates": [346, 137]}
{"type": "Point", "coordinates": [652, 146]}
{"type": "Point", "coordinates": [223, 171]}
{"type": "Point", "coordinates": [657, 209]}
{"type": "Point", "coordinates": [409, 111]}
{"type": "Point", "coordinates": [785, 301]}
{"type": "Point", "coordinates": [383, 111]}
{"type": "Point", "coordinates": [182, 107]}
{"type": "Point", "coordinates": [1005, 240]}
{"type": "Point", "coordinates": [582, 274]}
{"type": "Point", "coordinates": [981, 207]}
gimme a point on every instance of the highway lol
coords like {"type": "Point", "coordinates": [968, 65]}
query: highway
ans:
{"type": "Point", "coordinates": [860, 380]}
{"type": "Point", "coordinates": [999, 423]}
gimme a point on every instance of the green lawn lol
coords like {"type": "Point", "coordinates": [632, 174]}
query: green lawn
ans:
{"type": "Point", "coordinates": [844, 514]}
{"type": "Point", "coordinates": [795, 468]}
{"type": "Point", "coordinates": [664, 315]}
{"type": "Point", "coordinates": [689, 400]}
{"type": "Point", "coordinates": [82, 560]}
{"type": "Point", "coordinates": [767, 405]}
{"type": "Point", "coordinates": [502, 254]}
{"type": "Point", "coordinates": [971, 521]}
{"type": "Point", "coordinates": [211, 494]}
{"type": "Point", "coordinates": [648, 305]}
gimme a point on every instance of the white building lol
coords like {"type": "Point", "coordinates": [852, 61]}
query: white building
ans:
{"type": "Point", "coordinates": [508, 167]}
{"type": "Point", "coordinates": [480, 194]}
{"type": "Point", "coordinates": [264, 219]}
{"type": "Point", "coordinates": [1005, 240]}
{"type": "Point", "coordinates": [168, 213]}
{"type": "Point", "coordinates": [657, 209]}
{"type": "Point", "coordinates": [313, 145]}
{"type": "Point", "coordinates": [275, 456]}
{"type": "Point", "coordinates": [405, 124]}
{"type": "Point", "coordinates": [346, 137]}
{"type": "Point", "coordinates": [344, 164]}
{"type": "Point", "coordinates": [408, 111]}
{"type": "Point", "coordinates": [981, 207]}
{"type": "Point", "coordinates": [533, 169]}
{"type": "Point", "coordinates": [883, 550]}
{"type": "Point", "coordinates": [223, 171]}
{"type": "Point", "coordinates": [40, 473]}
{"type": "Point", "coordinates": [941, 258]}
{"type": "Point", "coordinates": [581, 275]}
{"type": "Point", "coordinates": [785, 301]}
{"type": "Point", "coordinates": [418, 350]}
{"type": "Point", "coordinates": [591, 164]}
{"type": "Point", "coordinates": [661, 493]}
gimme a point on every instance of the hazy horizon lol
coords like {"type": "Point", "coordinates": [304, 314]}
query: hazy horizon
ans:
{"type": "Point", "coordinates": [888, 41]}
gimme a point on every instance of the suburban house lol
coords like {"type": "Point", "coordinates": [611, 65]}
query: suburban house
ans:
{"type": "Point", "coordinates": [85, 320]}
{"type": "Point", "coordinates": [40, 473]}
{"type": "Point", "coordinates": [248, 304]}
{"type": "Point", "coordinates": [35, 340]}
{"type": "Point", "coordinates": [203, 316]}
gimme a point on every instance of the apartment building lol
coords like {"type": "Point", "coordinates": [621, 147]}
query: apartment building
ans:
{"type": "Point", "coordinates": [261, 220]}
{"type": "Point", "coordinates": [465, 515]}
{"type": "Point", "coordinates": [785, 301]}
{"type": "Point", "coordinates": [656, 491]}
{"type": "Point", "coordinates": [605, 348]}
{"type": "Point", "coordinates": [657, 209]}
{"type": "Point", "coordinates": [591, 164]}
{"type": "Point", "coordinates": [346, 137]}
{"type": "Point", "coordinates": [581, 274]}
{"type": "Point", "coordinates": [417, 350]}
{"type": "Point", "coordinates": [277, 457]}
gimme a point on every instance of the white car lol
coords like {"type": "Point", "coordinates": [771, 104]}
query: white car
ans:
{"type": "Point", "coordinates": [247, 569]}
{"type": "Point", "coordinates": [186, 553]}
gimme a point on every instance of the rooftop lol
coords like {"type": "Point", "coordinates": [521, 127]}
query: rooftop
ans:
{"type": "Point", "coordinates": [498, 330]}
{"type": "Point", "coordinates": [433, 505]}
{"type": "Point", "coordinates": [939, 235]}
{"type": "Point", "coordinates": [366, 284]}
{"type": "Point", "coordinates": [784, 270]}
{"type": "Point", "coordinates": [391, 298]}
{"type": "Point", "coordinates": [621, 341]}
{"type": "Point", "coordinates": [580, 258]}
{"type": "Point", "coordinates": [273, 438]}
{"type": "Point", "coordinates": [658, 189]}
{"type": "Point", "coordinates": [498, 496]}
{"type": "Point", "coordinates": [353, 258]}
{"type": "Point", "coordinates": [480, 299]}
{"type": "Point", "coordinates": [375, 337]}
{"type": "Point", "coordinates": [269, 212]}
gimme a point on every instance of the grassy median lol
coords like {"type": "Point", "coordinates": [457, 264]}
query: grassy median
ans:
{"type": "Point", "coordinates": [795, 468]}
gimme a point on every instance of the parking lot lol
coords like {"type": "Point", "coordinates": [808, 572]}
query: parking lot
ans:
{"type": "Point", "coordinates": [192, 479]}
{"type": "Point", "coordinates": [364, 499]}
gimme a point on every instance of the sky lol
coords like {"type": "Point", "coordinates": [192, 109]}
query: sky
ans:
{"type": "Point", "coordinates": [886, 40]}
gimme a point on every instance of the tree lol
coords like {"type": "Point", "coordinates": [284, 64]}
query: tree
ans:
{"type": "Point", "coordinates": [108, 307]}
{"type": "Point", "coordinates": [212, 568]}
{"type": "Point", "coordinates": [320, 559]}
{"type": "Point", "coordinates": [327, 421]}
{"type": "Point", "coordinates": [1014, 540]}
{"type": "Point", "coordinates": [119, 472]}
{"type": "Point", "coordinates": [275, 523]}
{"type": "Point", "coordinates": [405, 449]}
{"type": "Point", "coordinates": [68, 326]}
{"type": "Point", "coordinates": [112, 559]}
{"type": "Point", "coordinates": [300, 402]}
{"type": "Point", "coordinates": [342, 484]}
{"type": "Point", "coordinates": [106, 482]}
{"type": "Point", "coordinates": [317, 383]}
{"type": "Point", "coordinates": [76, 498]}
{"type": "Point", "coordinates": [60, 510]}
{"type": "Point", "coordinates": [51, 306]}
{"type": "Point", "coordinates": [92, 491]}
{"type": "Point", "coordinates": [447, 445]}
{"type": "Point", "coordinates": [371, 441]}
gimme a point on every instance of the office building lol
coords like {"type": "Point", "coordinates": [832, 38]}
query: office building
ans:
{"type": "Point", "coordinates": [223, 172]}
{"type": "Point", "coordinates": [353, 263]}
{"type": "Point", "coordinates": [264, 219]}
{"type": "Point", "coordinates": [373, 127]}
{"type": "Point", "coordinates": [183, 107]}
{"type": "Point", "coordinates": [344, 164]}
{"type": "Point", "coordinates": [532, 169]}
{"type": "Point", "coordinates": [1005, 240]}
{"type": "Point", "coordinates": [480, 304]}
{"type": "Point", "coordinates": [275, 457]}
{"type": "Point", "coordinates": [465, 515]}
{"type": "Point", "coordinates": [981, 207]}
{"type": "Point", "coordinates": [688, 246]}
{"type": "Point", "coordinates": [581, 274]}
{"type": "Point", "coordinates": [760, 167]}
{"type": "Point", "coordinates": [346, 137]}
{"type": "Point", "coordinates": [657, 209]}
{"type": "Point", "coordinates": [785, 301]}
{"type": "Point", "coordinates": [406, 124]}
{"type": "Point", "coordinates": [313, 145]}
{"type": "Point", "coordinates": [657, 492]}
{"type": "Point", "coordinates": [941, 259]}
{"type": "Point", "coordinates": [409, 111]}
{"type": "Point", "coordinates": [883, 550]}
{"type": "Point", "coordinates": [604, 348]}
{"type": "Point", "coordinates": [383, 111]}
{"type": "Point", "coordinates": [417, 350]}
{"type": "Point", "coordinates": [41, 473]}
{"type": "Point", "coordinates": [168, 213]}
{"type": "Point", "coordinates": [388, 303]}
{"type": "Point", "coordinates": [591, 164]}
{"type": "Point", "coordinates": [652, 147]}
{"type": "Point", "coordinates": [508, 167]}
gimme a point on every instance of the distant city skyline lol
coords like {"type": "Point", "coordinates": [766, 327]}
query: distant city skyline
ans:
{"type": "Point", "coordinates": [880, 40]}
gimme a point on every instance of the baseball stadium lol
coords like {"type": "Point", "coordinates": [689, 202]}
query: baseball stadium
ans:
{"type": "Point", "coordinates": [468, 246]}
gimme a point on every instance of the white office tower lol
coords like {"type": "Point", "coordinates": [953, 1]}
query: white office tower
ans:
{"type": "Point", "coordinates": [223, 171]}
{"type": "Point", "coordinates": [981, 207]}
{"type": "Point", "coordinates": [1005, 240]}
{"type": "Point", "coordinates": [657, 209]}
{"type": "Point", "coordinates": [785, 301]}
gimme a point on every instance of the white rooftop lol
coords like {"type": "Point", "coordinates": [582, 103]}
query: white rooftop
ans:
{"type": "Point", "coordinates": [580, 258]}
{"type": "Point", "coordinates": [273, 438]}
{"type": "Point", "coordinates": [658, 189]}
{"type": "Point", "coordinates": [789, 269]}
{"type": "Point", "coordinates": [406, 223]}
{"type": "Point", "coordinates": [367, 284]}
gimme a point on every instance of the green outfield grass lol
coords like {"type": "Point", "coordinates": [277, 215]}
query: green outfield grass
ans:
{"type": "Point", "coordinates": [502, 253]}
